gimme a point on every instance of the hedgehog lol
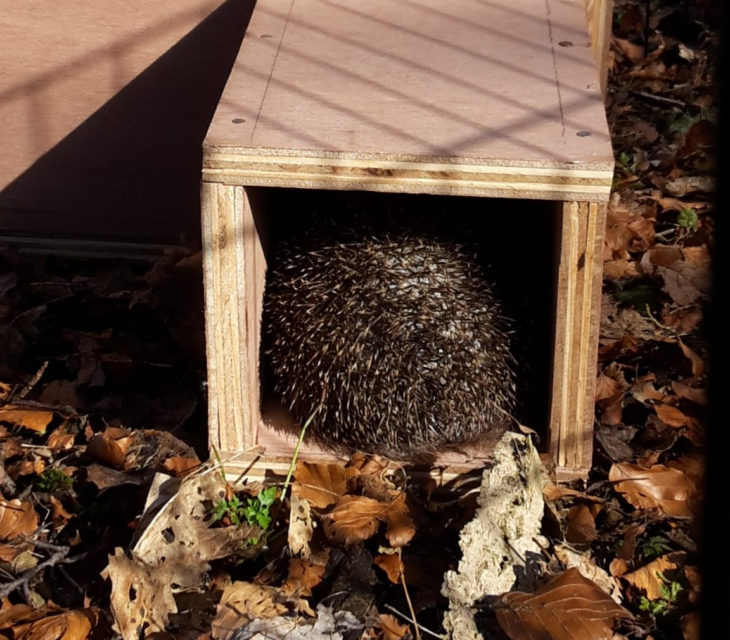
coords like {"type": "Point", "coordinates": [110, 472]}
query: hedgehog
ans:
{"type": "Point", "coordinates": [392, 343]}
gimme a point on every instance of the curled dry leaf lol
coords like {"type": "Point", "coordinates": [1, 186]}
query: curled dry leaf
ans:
{"type": "Point", "coordinates": [242, 602]}
{"type": "Point", "coordinates": [581, 527]}
{"type": "Point", "coordinates": [684, 391]}
{"type": "Point", "coordinates": [400, 526]}
{"type": "Point", "coordinates": [107, 448]}
{"type": "Point", "coordinates": [320, 484]}
{"type": "Point", "coordinates": [391, 564]}
{"type": "Point", "coordinates": [303, 576]}
{"type": "Point", "coordinates": [180, 466]}
{"type": "Point", "coordinates": [60, 440]}
{"type": "Point", "coordinates": [647, 578]}
{"type": "Point", "coordinates": [671, 415]}
{"type": "Point", "coordinates": [71, 625]}
{"type": "Point", "coordinates": [656, 487]}
{"type": "Point", "coordinates": [16, 519]}
{"type": "Point", "coordinates": [354, 519]}
{"type": "Point", "coordinates": [33, 419]}
{"type": "Point", "coordinates": [391, 628]}
{"type": "Point", "coordinates": [698, 366]}
{"type": "Point", "coordinates": [569, 607]}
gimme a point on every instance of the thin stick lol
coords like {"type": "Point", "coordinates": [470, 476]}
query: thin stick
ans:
{"type": "Point", "coordinates": [408, 597]}
{"type": "Point", "coordinates": [413, 622]}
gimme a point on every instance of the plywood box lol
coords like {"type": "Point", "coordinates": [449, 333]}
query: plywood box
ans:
{"type": "Point", "coordinates": [498, 100]}
{"type": "Point", "coordinates": [103, 108]}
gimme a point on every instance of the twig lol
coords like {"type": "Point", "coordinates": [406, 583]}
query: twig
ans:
{"type": "Point", "coordinates": [413, 622]}
{"type": "Point", "coordinates": [650, 96]}
{"type": "Point", "coordinates": [408, 597]}
{"type": "Point", "coordinates": [57, 557]}
{"type": "Point", "coordinates": [33, 381]}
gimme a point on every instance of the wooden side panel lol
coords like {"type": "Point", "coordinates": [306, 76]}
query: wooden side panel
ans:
{"type": "Point", "coordinates": [231, 310]}
{"type": "Point", "coordinates": [576, 337]}
{"type": "Point", "coordinates": [600, 18]}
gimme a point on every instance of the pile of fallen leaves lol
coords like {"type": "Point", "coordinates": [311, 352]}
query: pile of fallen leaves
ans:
{"type": "Point", "coordinates": [111, 526]}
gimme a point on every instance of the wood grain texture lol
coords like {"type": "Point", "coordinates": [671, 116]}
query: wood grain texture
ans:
{"type": "Point", "coordinates": [599, 14]}
{"type": "Point", "coordinates": [576, 337]}
{"type": "Point", "coordinates": [496, 98]}
{"type": "Point", "coordinates": [232, 380]}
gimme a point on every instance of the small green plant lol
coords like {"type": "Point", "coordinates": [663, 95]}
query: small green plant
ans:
{"type": "Point", "coordinates": [654, 547]}
{"type": "Point", "coordinates": [687, 219]}
{"type": "Point", "coordinates": [253, 511]}
{"type": "Point", "coordinates": [669, 590]}
{"type": "Point", "coordinates": [53, 481]}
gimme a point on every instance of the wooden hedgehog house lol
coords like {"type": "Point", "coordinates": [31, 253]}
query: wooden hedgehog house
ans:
{"type": "Point", "coordinates": [497, 101]}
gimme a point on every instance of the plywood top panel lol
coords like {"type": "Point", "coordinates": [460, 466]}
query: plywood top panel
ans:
{"type": "Point", "coordinates": [487, 97]}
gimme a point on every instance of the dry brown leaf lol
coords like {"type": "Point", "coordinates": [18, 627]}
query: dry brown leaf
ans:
{"type": "Point", "coordinates": [684, 391]}
{"type": "Point", "coordinates": [391, 564]}
{"type": "Point", "coordinates": [16, 519]}
{"type": "Point", "coordinates": [33, 419]}
{"type": "Point", "coordinates": [691, 626]}
{"type": "Point", "coordinates": [690, 184]}
{"type": "Point", "coordinates": [569, 607]}
{"type": "Point", "coordinates": [684, 320]}
{"type": "Point", "coordinates": [581, 525]}
{"type": "Point", "coordinates": [644, 390]}
{"type": "Point", "coordinates": [671, 415]}
{"type": "Point", "coordinates": [632, 51]}
{"type": "Point", "coordinates": [301, 526]}
{"type": "Point", "coordinates": [556, 491]}
{"type": "Point", "coordinates": [694, 578]}
{"type": "Point", "coordinates": [141, 598]}
{"type": "Point", "coordinates": [623, 268]}
{"type": "Point", "coordinates": [354, 519]}
{"type": "Point", "coordinates": [5, 390]}
{"type": "Point", "coordinates": [302, 577]}
{"type": "Point", "coordinates": [34, 466]}
{"type": "Point", "coordinates": [14, 614]}
{"type": "Point", "coordinates": [627, 230]}
{"type": "Point", "coordinates": [618, 567]}
{"type": "Point", "coordinates": [400, 526]}
{"type": "Point", "coordinates": [320, 484]}
{"type": "Point", "coordinates": [180, 466]}
{"type": "Point", "coordinates": [391, 628]}
{"type": "Point", "coordinates": [242, 602]}
{"type": "Point", "coordinates": [657, 487]}
{"type": "Point", "coordinates": [71, 625]}
{"type": "Point", "coordinates": [646, 578]}
{"type": "Point", "coordinates": [108, 449]}
{"type": "Point", "coordinates": [59, 515]}
{"type": "Point", "coordinates": [60, 440]}
{"type": "Point", "coordinates": [698, 366]}
{"type": "Point", "coordinates": [691, 465]}
{"type": "Point", "coordinates": [606, 387]}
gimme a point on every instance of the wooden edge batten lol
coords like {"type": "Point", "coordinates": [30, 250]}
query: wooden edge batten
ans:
{"type": "Point", "coordinates": [229, 377]}
{"type": "Point", "coordinates": [599, 15]}
{"type": "Point", "coordinates": [488, 177]}
{"type": "Point", "coordinates": [576, 337]}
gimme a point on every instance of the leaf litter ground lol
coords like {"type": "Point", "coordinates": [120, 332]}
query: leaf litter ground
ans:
{"type": "Point", "coordinates": [110, 525]}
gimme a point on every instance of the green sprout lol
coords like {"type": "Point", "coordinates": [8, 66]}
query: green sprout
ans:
{"type": "Point", "coordinates": [654, 547]}
{"type": "Point", "coordinates": [669, 590]}
{"type": "Point", "coordinates": [255, 511]}
{"type": "Point", "coordinates": [687, 219]}
{"type": "Point", "coordinates": [53, 481]}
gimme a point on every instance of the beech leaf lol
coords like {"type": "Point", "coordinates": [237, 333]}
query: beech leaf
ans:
{"type": "Point", "coordinates": [656, 487]}
{"type": "Point", "coordinates": [569, 607]}
{"type": "Point", "coordinates": [320, 484]}
{"type": "Point", "coordinates": [354, 519]}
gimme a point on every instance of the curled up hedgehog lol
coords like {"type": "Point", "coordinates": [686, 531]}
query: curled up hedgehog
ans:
{"type": "Point", "coordinates": [394, 341]}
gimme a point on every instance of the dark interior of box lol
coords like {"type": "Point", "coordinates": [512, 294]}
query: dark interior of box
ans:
{"type": "Point", "coordinates": [515, 241]}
